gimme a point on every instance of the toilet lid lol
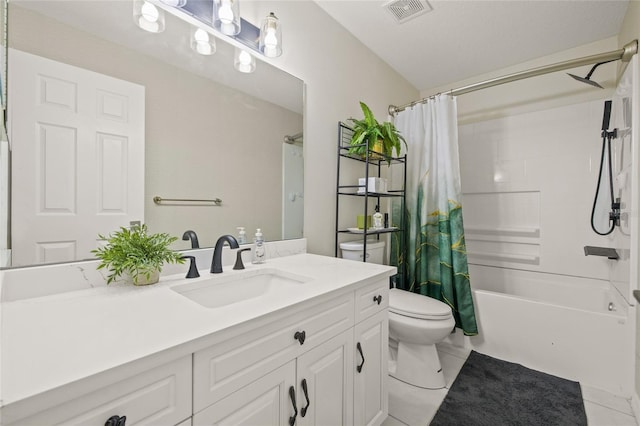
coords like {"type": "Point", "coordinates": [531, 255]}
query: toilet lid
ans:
{"type": "Point", "coordinates": [417, 306]}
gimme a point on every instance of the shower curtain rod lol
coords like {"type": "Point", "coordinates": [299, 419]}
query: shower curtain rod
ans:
{"type": "Point", "coordinates": [623, 54]}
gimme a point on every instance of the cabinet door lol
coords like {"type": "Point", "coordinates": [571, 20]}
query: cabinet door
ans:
{"type": "Point", "coordinates": [326, 397]}
{"type": "Point", "coordinates": [265, 401]}
{"type": "Point", "coordinates": [370, 395]}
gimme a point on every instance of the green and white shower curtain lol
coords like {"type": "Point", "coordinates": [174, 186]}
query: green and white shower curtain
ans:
{"type": "Point", "coordinates": [436, 259]}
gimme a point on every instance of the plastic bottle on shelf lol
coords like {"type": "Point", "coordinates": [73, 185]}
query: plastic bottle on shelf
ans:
{"type": "Point", "coordinates": [242, 236]}
{"type": "Point", "coordinates": [377, 219]}
{"type": "Point", "coordinates": [258, 250]}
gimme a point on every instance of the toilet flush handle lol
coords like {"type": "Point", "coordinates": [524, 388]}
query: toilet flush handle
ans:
{"type": "Point", "coordinates": [377, 298]}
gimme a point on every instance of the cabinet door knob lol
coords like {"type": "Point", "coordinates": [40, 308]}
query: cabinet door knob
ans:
{"type": "Point", "coordinates": [377, 298]}
{"type": "Point", "coordinates": [292, 395]}
{"type": "Point", "coordinates": [116, 421]}
{"type": "Point", "coordinates": [359, 367]}
{"type": "Point", "coordinates": [303, 410]}
{"type": "Point", "coordinates": [300, 336]}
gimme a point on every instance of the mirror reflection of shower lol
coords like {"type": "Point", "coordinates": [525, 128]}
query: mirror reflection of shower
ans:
{"type": "Point", "coordinates": [292, 185]}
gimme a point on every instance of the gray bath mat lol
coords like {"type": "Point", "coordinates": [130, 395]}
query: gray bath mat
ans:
{"type": "Point", "coordinates": [492, 392]}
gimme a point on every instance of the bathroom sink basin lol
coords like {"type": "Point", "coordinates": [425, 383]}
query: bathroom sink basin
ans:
{"type": "Point", "coordinates": [219, 291]}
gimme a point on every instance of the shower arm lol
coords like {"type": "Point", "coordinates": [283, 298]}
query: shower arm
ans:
{"type": "Point", "coordinates": [625, 54]}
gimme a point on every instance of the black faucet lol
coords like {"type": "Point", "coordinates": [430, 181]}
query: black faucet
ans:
{"type": "Point", "coordinates": [191, 235]}
{"type": "Point", "coordinates": [193, 268]}
{"type": "Point", "coordinates": [216, 263]}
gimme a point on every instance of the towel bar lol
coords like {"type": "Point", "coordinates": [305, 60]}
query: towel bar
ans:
{"type": "Point", "coordinates": [160, 200]}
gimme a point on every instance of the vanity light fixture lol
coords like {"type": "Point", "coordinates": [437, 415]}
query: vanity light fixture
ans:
{"type": "Point", "coordinates": [148, 16]}
{"type": "Point", "coordinates": [243, 61]}
{"type": "Point", "coordinates": [271, 37]}
{"type": "Point", "coordinates": [226, 16]}
{"type": "Point", "coordinates": [202, 42]}
{"type": "Point", "coordinates": [216, 18]}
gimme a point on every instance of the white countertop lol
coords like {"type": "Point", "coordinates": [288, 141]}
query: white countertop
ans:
{"type": "Point", "coordinates": [51, 341]}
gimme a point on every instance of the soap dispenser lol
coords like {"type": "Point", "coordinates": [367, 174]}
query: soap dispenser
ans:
{"type": "Point", "coordinates": [377, 219]}
{"type": "Point", "coordinates": [242, 236]}
{"type": "Point", "coordinates": [258, 250]}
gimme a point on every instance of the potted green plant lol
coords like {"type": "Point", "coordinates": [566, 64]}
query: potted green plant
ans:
{"type": "Point", "coordinates": [136, 254]}
{"type": "Point", "coordinates": [369, 134]}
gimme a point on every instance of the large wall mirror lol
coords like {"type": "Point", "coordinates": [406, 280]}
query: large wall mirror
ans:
{"type": "Point", "coordinates": [205, 132]}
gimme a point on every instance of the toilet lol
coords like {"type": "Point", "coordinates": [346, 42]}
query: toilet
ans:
{"type": "Point", "coordinates": [354, 250]}
{"type": "Point", "coordinates": [416, 324]}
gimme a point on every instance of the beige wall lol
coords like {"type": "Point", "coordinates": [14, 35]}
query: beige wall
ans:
{"type": "Point", "coordinates": [198, 141]}
{"type": "Point", "coordinates": [338, 72]}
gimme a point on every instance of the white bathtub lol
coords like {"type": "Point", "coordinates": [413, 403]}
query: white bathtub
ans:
{"type": "Point", "coordinates": [576, 328]}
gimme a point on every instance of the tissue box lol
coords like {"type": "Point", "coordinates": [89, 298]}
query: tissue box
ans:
{"type": "Point", "coordinates": [374, 184]}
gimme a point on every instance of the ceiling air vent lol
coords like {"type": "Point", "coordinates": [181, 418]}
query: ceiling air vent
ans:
{"type": "Point", "coordinates": [404, 10]}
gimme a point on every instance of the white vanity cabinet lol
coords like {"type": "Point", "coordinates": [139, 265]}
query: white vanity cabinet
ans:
{"type": "Point", "coordinates": [317, 356]}
{"type": "Point", "coordinates": [313, 380]}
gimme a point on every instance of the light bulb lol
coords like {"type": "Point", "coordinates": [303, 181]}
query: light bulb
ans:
{"type": "Point", "coordinates": [270, 42]}
{"type": "Point", "coordinates": [149, 12]}
{"type": "Point", "coordinates": [147, 16]}
{"type": "Point", "coordinates": [202, 42]}
{"type": "Point", "coordinates": [225, 13]}
{"type": "Point", "coordinates": [270, 38]}
{"type": "Point", "coordinates": [245, 58]}
{"type": "Point", "coordinates": [244, 62]}
{"type": "Point", "coordinates": [201, 35]}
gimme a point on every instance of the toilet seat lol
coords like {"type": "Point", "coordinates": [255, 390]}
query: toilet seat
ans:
{"type": "Point", "coordinates": [413, 305]}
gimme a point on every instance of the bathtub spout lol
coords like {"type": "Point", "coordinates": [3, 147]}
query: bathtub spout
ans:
{"type": "Point", "coordinates": [607, 252]}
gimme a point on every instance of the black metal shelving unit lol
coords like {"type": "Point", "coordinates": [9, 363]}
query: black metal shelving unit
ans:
{"type": "Point", "coordinates": [373, 167]}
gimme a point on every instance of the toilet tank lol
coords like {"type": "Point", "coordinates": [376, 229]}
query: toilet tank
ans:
{"type": "Point", "coordinates": [353, 250]}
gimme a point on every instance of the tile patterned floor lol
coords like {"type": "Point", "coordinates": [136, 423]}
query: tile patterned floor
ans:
{"type": "Point", "coordinates": [412, 406]}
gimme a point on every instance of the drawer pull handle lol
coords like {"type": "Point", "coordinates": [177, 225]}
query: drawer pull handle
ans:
{"type": "Point", "coordinates": [303, 410]}
{"type": "Point", "coordinates": [377, 298]}
{"type": "Point", "coordinates": [359, 347]}
{"type": "Point", "coordinates": [116, 421]}
{"type": "Point", "coordinates": [300, 336]}
{"type": "Point", "coordinates": [292, 395]}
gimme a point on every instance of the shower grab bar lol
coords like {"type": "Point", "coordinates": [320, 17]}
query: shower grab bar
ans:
{"type": "Point", "coordinates": [160, 200]}
{"type": "Point", "coordinates": [505, 257]}
{"type": "Point", "coordinates": [525, 232]}
{"type": "Point", "coordinates": [607, 252]}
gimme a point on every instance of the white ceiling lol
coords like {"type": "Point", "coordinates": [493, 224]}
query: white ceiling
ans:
{"type": "Point", "coordinates": [461, 39]}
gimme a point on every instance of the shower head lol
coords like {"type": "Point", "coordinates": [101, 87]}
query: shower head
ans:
{"type": "Point", "coordinates": [587, 79]}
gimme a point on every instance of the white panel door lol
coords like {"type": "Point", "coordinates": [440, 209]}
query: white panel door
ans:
{"type": "Point", "coordinates": [327, 374]}
{"type": "Point", "coordinates": [77, 140]}
{"type": "Point", "coordinates": [370, 397]}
